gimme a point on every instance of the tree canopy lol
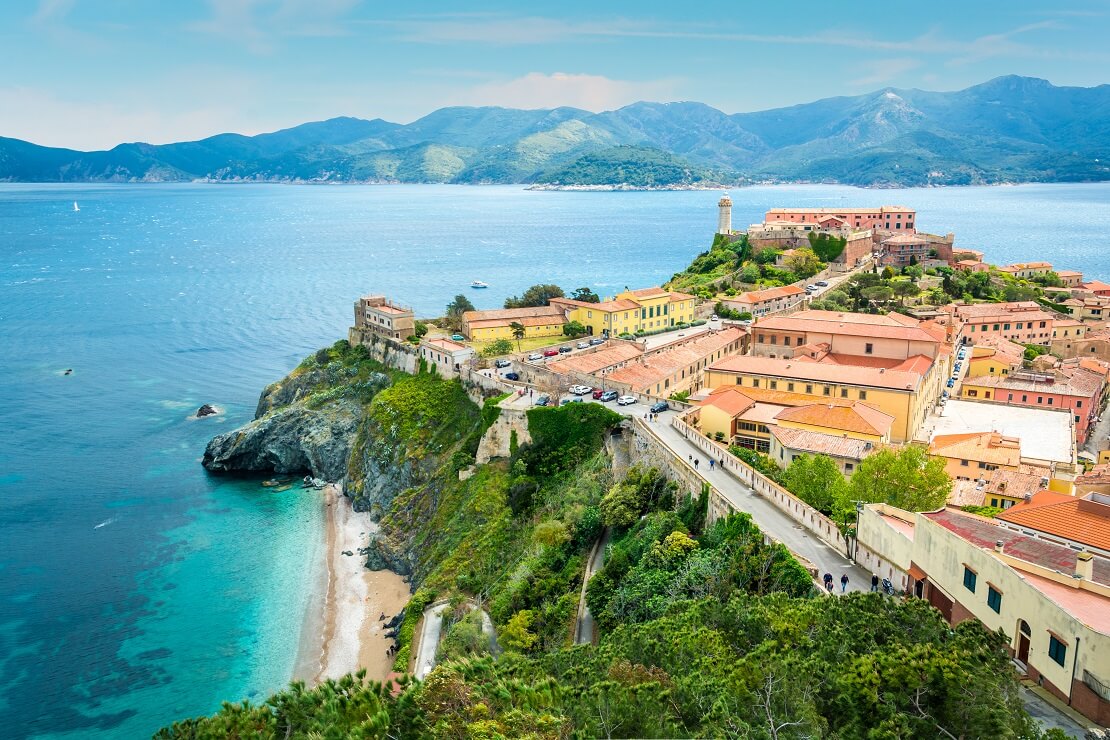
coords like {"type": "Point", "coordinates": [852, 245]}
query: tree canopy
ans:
{"type": "Point", "coordinates": [537, 295]}
{"type": "Point", "coordinates": [907, 478]}
{"type": "Point", "coordinates": [585, 295]}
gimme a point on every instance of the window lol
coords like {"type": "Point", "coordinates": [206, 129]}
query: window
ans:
{"type": "Point", "coordinates": [790, 387]}
{"type": "Point", "coordinates": [809, 388]}
{"type": "Point", "coordinates": [1024, 398]}
{"type": "Point", "coordinates": [773, 385]}
{"type": "Point", "coordinates": [994, 599]}
{"type": "Point", "coordinates": [863, 395]}
{"type": "Point", "coordinates": [1079, 404]}
{"type": "Point", "coordinates": [1057, 650]}
{"type": "Point", "coordinates": [969, 579]}
{"type": "Point", "coordinates": [589, 314]}
{"type": "Point", "coordinates": [761, 339]}
{"type": "Point", "coordinates": [1006, 327]}
{"type": "Point", "coordinates": [963, 463]}
{"type": "Point", "coordinates": [848, 467]}
{"type": "Point", "coordinates": [843, 392]}
{"type": "Point", "coordinates": [828, 390]}
{"type": "Point", "coordinates": [755, 382]}
{"type": "Point", "coordinates": [868, 348]}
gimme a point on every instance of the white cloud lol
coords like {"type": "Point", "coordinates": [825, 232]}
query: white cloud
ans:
{"type": "Point", "coordinates": [591, 92]}
{"type": "Point", "coordinates": [883, 71]}
{"type": "Point", "coordinates": [259, 24]}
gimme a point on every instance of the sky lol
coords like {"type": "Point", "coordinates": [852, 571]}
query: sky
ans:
{"type": "Point", "coordinates": [89, 74]}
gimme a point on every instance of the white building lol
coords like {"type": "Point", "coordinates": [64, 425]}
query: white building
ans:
{"type": "Point", "coordinates": [446, 355]}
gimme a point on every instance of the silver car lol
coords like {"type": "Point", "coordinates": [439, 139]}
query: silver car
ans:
{"type": "Point", "coordinates": [626, 400]}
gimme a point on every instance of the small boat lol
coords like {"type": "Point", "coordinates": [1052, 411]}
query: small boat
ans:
{"type": "Point", "coordinates": [75, 206]}
{"type": "Point", "coordinates": [478, 284]}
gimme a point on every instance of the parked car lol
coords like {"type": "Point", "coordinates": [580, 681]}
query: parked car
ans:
{"type": "Point", "coordinates": [626, 400]}
{"type": "Point", "coordinates": [535, 356]}
{"type": "Point", "coordinates": [597, 393]}
{"type": "Point", "coordinates": [812, 287]}
{"type": "Point", "coordinates": [564, 349]}
{"type": "Point", "coordinates": [944, 394]}
{"type": "Point", "coordinates": [503, 363]}
{"type": "Point", "coordinates": [596, 341]}
{"type": "Point", "coordinates": [551, 353]}
{"type": "Point", "coordinates": [714, 317]}
{"type": "Point", "coordinates": [512, 376]}
{"type": "Point", "coordinates": [582, 345]}
{"type": "Point", "coordinates": [608, 396]}
{"type": "Point", "coordinates": [822, 284]}
{"type": "Point", "coordinates": [951, 382]}
{"type": "Point", "coordinates": [565, 401]}
{"type": "Point", "coordinates": [458, 337]}
{"type": "Point", "coordinates": [744, 322]}
{"type": "Point", "coordinates": [659, 406]}
{"type": "Point", "coordinates": [580, 390]}
{"type": "Point", "coordinates": [543, 401]}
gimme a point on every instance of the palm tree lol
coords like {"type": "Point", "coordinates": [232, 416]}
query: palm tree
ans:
{"type": "Point", "coordinates": [518, 333]}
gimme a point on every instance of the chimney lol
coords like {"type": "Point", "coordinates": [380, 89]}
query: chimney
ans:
{"type": "Point", "coordinates": [999, 546]}
{"type": "Point", "coordinates": [1085, 565]}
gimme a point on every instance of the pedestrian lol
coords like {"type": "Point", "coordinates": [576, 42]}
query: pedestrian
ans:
{"type": "Point", "coordinates": [690, 458]}
{"type": "Point", "coordinates": [712, 462]}
{"type": "Point", "coordinates": [874, 583]}
{"type": "Point", "coordinates": [827, 578]}
{"type": "Point", "coordinates": [695, 463]}
{"type": "Point", "coordinates": [844, 583]}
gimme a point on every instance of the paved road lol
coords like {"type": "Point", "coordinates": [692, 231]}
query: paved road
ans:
{"type": "Point", "coordinates": [766, 515]}
{"type": "Point", "coordinates": [1049, 716]}
{"type": "Point", "coordinates": [584, 631]}
{"type": "Point", "coordinates": [429, 639]}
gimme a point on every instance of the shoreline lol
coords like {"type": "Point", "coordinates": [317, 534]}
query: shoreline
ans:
{"type": "Point", "coordinates": [342, 631]}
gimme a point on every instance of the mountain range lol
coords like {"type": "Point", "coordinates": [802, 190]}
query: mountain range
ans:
{"type": "Point", "coordinates": [1010, 129]}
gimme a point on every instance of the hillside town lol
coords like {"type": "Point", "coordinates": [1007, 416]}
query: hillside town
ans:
{"type": "Point", "coordinates": [741, 381]}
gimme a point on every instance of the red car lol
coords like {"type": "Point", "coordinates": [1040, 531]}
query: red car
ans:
{"type": "Point", "coordinates": [551, 353]}
{"type": "Point", "coordinates": [597, 393]}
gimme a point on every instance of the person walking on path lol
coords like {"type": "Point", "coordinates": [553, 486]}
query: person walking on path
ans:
{"type": "Point", "coordinates": [844, 583]}
{"type": "Point", "coordinates": [874, 583]}
{"type": "Point", "coordinates": [712, 462]}
{"type": "Point", "coordinates": [695, 463]}
{"type": "Point", "coordinates": [828, 582]}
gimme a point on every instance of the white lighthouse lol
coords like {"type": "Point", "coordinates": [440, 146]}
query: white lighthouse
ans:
{"type": "Point", "coordinates": [724, 215]}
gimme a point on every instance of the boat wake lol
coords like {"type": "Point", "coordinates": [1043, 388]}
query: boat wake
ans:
{"type": "Point", "coordinates": [105, 523]}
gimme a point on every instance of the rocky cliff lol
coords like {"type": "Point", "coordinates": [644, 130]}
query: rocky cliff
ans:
{"type": "Point", "coordinates": [344, 417]}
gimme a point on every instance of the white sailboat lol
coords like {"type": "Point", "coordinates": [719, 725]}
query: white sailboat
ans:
{"type": "Point", "coordinates": [75, 207]}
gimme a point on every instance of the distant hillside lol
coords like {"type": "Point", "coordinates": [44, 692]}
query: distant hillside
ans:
{"type": "Point", "coordinates": [1011, 129]}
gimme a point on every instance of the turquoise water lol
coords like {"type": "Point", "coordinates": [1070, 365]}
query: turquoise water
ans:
{"type": "Point", "coordinates": [134, 588]}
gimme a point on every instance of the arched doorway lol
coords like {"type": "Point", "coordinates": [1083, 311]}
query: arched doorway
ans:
{"type": "Point", "coordinates": [1023, 641]}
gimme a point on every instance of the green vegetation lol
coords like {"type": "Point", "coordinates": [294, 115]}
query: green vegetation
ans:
{"type": "Point", "coordinates": [826, 246]}
{"type": "Point", "coordinates": [537, 295]}
{"type": "Point", "coordinates": [633, 166]}
{"type": "Point", "coordinates": [907, 478]}
{"type": "Point", "coordinates": [342, 371]}
{"type": "Point", "coordinates": [497, 347]}
{"type": "Point", "coordinates": [731, 266]}
{"type": "Point", "coordinates": [988, 511]}
{"type": "Point", "coordinates": [585, 295]}
{"type": "Point", "coordinates": [1033, 351]}
{"type": "Point", "coordinates": [573, 329]}
{"type": "Point", "coordinates": [459, 305]}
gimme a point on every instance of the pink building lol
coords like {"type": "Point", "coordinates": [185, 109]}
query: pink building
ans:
{"type": "Point", "coordinates": [1097, 287]}
{"type": "Point", "coordinates": [886, 218]}
{"type": "Point", "coordinates": [1024, 322]}
{"type": "Point", "coordinates": [1079, 392]}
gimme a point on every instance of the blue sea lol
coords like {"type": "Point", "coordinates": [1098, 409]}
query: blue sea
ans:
{"type": "Point", "coordinates": [135, 588]}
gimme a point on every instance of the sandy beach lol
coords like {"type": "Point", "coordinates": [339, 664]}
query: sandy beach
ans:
{"type": "Point", "coordinates": [343, 631]}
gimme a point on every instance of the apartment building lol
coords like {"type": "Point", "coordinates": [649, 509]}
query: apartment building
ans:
{"type": "Point", "coordinates": [538, 321]}
{"type": "Point", "coordinates": [887, 218]}
{"type": "Point", "coordinates": [1077, 390]}
{"type": "Point", "coordinates": [645, 309]}
{"type": "Point", "coordinates": [446, 355]}
{"type": "Point", "coordinates": [1027, 270]}
{"type": "Point", "coordinates": [761, 303]}
{"type": "Point", "coordinates": [891, 336]}
{"type": "Point", "coordinates": [994, 355]}
{"type": "Point", "coordinates": [905, 390]}
{"type": "Point", "coordinates": [1045, 589]}
{"type": "Point", "coordinates": [1024, 322]}
{"type": "Point", "coordinates": [379, 315]}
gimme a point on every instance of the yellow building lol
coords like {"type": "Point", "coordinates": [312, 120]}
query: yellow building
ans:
{"type": "Point", "coordinates": [994, 356]}
{"type": "Point", "coordinates": [904, 390]}
{"type": "Point", "coordinates": [646, 309]}
{"type": "Point", "coordinates": [538, 321]}
{"type": "Point", "coordinates": [972, 456]}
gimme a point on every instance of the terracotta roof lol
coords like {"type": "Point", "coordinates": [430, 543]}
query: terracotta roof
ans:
{"type": "Point", "coordinates": [850, 324]}
{"type": "Point", "coordinates": [732, 401]}
{"type": "Point", "coordinates": [1069, 273]}
{"type": "Point", "coordinates": [766, 395]}
{"type": "Point", "coordinates": [915, 364]}
{"type": "Point", "coordinates": [1095, 285]}
{"type": "Point", "coordinates": [623, 304]}
{"type": "Point", "coordinates": [447, 345]}
{"type": "Point", "coordinates": [819, 443]}
{"type": "Point", "coordinates": [843, 211]}
{"type": "Point", "coordinates": [905, 239]}
{"type": "Point", "coordinates": [969, 263]}
{"type": "Point", "coordinates": [523, 321]}
{"type": "Point", "coordinates": [1000, 482]}
{"type": "Point", "coordinates": [513, 314]}
{"type": "Point", "coordinates": [857, 417]}
{"type": "Point", "coordinates": [984, 533]}
{"type": "Point", "coordinates": [657, 366]}
{"type": "Point", "coordinates": [1042, 498]}
{"type": "Point", "coordinates": [1083, 383]}
{"type": "Point", "coordinates": [819, 372]}
{"type": "Point", "coordinates": [647, 292]}
{"type": "Point", "coordinates": [762, 413]}
{"type": "Point", "coordinates": [988, 447]}
{"type": "Point", "coordinates": [1085, 520]}
{"type": "Point", "coordinates": [770, 294]}
{"type": "Point", "coordinates": [1098, 475]}
{"type": "Point", "coordinates": [592, 362]}
{"type": "Point", "coordinates": [1014, 311]}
